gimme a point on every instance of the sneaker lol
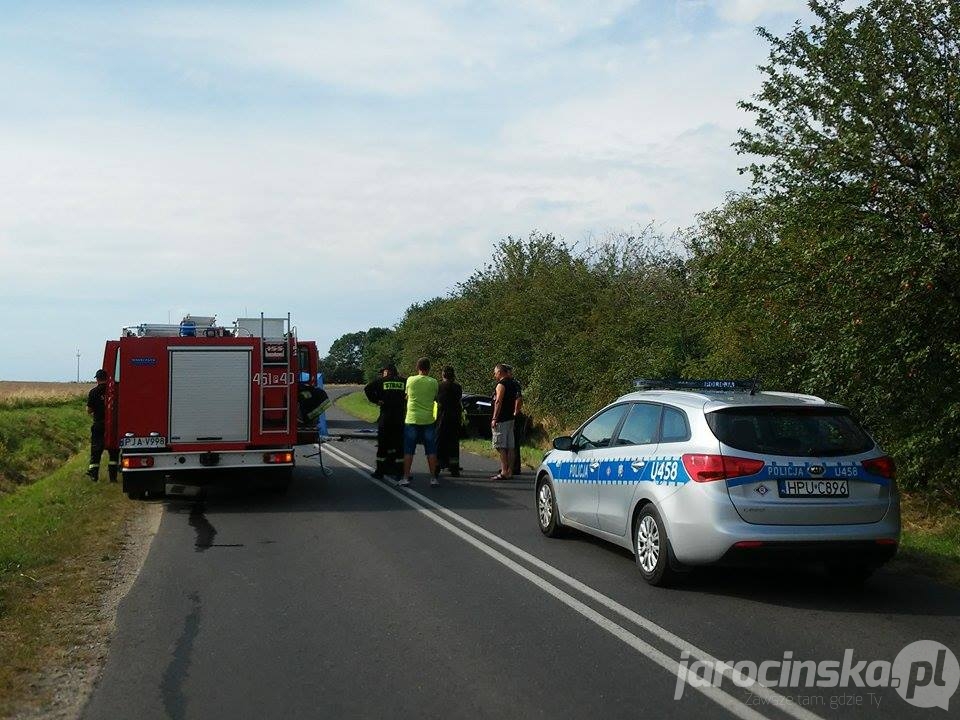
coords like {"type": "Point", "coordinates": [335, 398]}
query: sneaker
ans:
{"type": "Point", "coordinates": [434, 481]}
{"type": "Point", "coordinates": [404, 482]}
{"type": "Point", "coordinates": [377, 474]}
{"type": "Point", "coordinates": [454, 472]}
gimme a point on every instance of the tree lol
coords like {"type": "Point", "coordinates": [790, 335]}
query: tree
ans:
{"type": "Point", "coordinates": [857, 150]}
{"type": "Point", "coordinates": [380, 346]}
{"type": "Point", "coordinates": [344, 362]}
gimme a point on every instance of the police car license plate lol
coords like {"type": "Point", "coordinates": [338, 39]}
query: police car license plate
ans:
{"type": "Point", "coordinates": [143, 442]}
{"type": "Point", "coordinates": [814, 488]}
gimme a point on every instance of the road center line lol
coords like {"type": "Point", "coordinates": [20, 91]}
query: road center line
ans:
{"type": "Point", "coordinates": [718, 695]}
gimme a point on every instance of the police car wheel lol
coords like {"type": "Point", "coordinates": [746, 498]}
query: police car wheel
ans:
{"type": "Point", "coordinates": [548, 518]}
{"type": "Point", "coordinates": [651, 547]}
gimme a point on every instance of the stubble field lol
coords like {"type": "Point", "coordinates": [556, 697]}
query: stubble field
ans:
{"type": "Point", "coordinates": [15, 392]}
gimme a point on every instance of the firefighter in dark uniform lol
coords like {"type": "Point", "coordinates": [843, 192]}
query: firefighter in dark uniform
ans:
{"type": "Point", "coordinates": [449, 422]}
{"type": "Point", "coordinates": [388, 392]}
{"type": "Point", "coordinates": [96, 407]}
{"type": "Point", "coordinates": [312, 402]}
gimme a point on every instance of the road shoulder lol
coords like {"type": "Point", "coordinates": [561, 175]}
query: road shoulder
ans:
{"type": "Point", "coordinates": [62, 689]}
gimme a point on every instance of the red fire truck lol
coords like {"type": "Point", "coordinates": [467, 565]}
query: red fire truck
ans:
{"type": "Point", "coordinates": [196, 403]}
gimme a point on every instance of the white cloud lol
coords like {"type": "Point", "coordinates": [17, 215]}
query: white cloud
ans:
{"type": "Point", "coordinates": [749, 11]}
{"type": "Point", "coordinates": [390, 48]}
{"type": "Point", "coordinates": [119, 204]}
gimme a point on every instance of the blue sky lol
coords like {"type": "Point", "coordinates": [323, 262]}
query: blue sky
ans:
{"type": "Point", "coordinates": [339, 161]}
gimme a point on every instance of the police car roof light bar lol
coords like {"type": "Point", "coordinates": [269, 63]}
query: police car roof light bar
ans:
{"type": "Point", "coordinates": [701, 385]}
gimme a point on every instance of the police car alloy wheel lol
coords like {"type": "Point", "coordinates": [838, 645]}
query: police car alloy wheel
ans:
{"type": "Point", "coordinates": [547, 514]}
{"type": "Point", "coordinates": [651, 547]}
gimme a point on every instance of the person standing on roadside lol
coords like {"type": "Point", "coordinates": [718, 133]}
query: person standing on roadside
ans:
{"type": "Point", "coordinates": [449, 413]}
{"type": "Point", "coordinates": [388, 392]}
{"type": "Point", "coordinates": [97, 408]}
{"type": "Point", "coordinates": [507, 401]}
{"type": "Point", "coordinates": [419, 426]}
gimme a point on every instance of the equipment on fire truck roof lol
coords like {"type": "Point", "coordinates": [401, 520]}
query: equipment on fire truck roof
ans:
{"type": "Point", "coordinates": [205, 326]}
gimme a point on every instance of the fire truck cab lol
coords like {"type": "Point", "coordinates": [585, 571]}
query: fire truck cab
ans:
{"type": "Point", "coordinates": [197, 403]}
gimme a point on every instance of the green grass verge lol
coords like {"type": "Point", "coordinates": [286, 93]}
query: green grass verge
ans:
{"type": "Point", "coordinates": [530, 456]}
{"type": "Point", "coordinates": [37, 436]}
{"type": "Point", "coordinates": [58, 538]}
{"type": "Point", "coordinates": [356, 404]}
{"type": "Point", "coordinates": [930, 544]}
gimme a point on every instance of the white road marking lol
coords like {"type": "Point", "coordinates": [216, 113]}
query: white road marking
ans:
{"type": "Point", "coordinates": [721, 697]}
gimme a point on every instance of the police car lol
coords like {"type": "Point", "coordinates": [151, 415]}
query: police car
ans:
{"type": "Point", "coordinates": [688, 473]}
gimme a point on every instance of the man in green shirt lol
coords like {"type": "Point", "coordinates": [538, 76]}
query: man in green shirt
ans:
{"type": "Point", "coordinates": [419, 424]}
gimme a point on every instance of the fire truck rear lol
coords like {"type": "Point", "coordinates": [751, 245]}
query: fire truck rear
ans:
{"type": "Point", "coordinates": [197, 403]}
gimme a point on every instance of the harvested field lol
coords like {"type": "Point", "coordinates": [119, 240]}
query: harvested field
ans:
{"type": "Point", "coordinates": [14, 392]}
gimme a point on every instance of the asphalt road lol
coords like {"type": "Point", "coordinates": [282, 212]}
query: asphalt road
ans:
{"type": "Point", "coordinates": [351, 598]}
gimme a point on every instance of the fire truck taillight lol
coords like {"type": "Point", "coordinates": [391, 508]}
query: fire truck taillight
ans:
{"type": "Point", "coordinates": [282, 458]}
{"type": "Point", "coordinates": [138, 461]}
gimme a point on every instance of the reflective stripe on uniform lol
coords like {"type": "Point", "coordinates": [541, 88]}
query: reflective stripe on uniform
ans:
{"type": "Point", "coordinates": [317, 411]}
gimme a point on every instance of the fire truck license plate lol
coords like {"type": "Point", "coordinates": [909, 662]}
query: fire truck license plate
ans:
{"type": "Point", "coordinates": [142, 442]}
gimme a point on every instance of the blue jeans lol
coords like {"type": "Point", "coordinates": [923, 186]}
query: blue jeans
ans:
{"type": "Point", "coordinates": [420, 434]}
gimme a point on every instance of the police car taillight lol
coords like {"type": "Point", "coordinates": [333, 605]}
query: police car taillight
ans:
{"type": "Point", "coordinates": [882, 466]}
{"type": "Point", "coordinates": [707, 468]}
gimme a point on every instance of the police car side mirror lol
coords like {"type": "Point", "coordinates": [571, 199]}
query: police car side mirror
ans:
{"type": "Point", "coordinates": [563, 443]}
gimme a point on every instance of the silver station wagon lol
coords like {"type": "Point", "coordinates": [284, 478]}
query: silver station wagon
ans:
{"type": "Point", "coordinates": [688, 473]}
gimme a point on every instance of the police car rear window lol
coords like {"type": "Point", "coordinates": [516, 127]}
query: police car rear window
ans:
{"type": "Point", "coordinates": [820, 432]}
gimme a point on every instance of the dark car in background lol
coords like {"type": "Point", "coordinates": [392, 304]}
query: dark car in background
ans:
{"type": "Point", "coordinates": [477, 410]}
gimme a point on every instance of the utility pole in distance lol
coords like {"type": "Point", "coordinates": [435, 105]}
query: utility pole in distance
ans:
{"type": "Point", "coordinates": [78, 364]}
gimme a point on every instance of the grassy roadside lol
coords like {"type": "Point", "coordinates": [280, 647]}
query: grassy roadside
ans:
{"type": "Point", "coordinates": [37, 435]}
{"type": "Point", "coordinates": [356, 404]}
{"type": "Point", "coordinates": [530, 456]}
{"type": "Point", "coordinates": [930, 545]}
{"type": "Point", "coordinates": [59, 538]}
